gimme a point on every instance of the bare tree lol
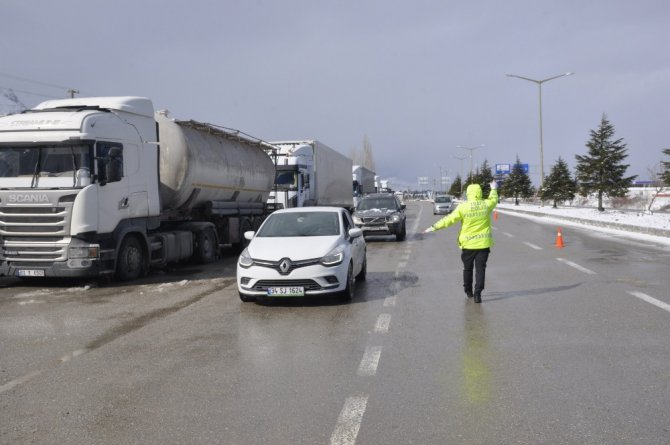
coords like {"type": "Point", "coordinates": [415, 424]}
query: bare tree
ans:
{"type": "Point", "coordinates": [655, 173]}
{"type": "Point", "coordinates": [368, 157]}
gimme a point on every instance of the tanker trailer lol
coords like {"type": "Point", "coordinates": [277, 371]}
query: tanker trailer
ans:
{"type": "Point", "coordinates": [103, 186]}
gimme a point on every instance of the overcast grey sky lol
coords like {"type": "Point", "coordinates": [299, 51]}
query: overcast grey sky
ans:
{"type": "Point", "coordinates": [419, 77]}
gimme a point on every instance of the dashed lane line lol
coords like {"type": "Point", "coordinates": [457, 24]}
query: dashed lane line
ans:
{"type": "Point", "coordinates": [532, 246]}
{"type": "Point", "coordinates": [383, 323]}
{"type": "Point", "coordinates": [370, 361]}
{"type": "Point", "coordinates": [349, 421]}
{"type": "Point", "coordinates": [648, 299]}
{"type": "Point", "coordinates": [576, 266]}
{"type": "Point", "coordinates": [507, 234]}
{"type": "Point", "coordinates": [390, 301]}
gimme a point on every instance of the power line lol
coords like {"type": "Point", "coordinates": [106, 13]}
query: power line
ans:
{"type": "Point", "coordinates": [29, 92]}
{"type": "Point", "coordinates": [24, 79]}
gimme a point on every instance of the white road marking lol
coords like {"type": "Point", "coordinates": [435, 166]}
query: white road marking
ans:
{"type": "Point", "coordinates": [390, 301]}
{"type": "Point", "coordinates": [415, 227]}
{"type": "Point", "coordinates": [349, 421]}
{"type": "Point", "coordinates": [532, 246]}
{"type": "Point", "coordinates": [507, 234]}
{"type": "Point", "coordinates": [402, 264]}
{"type": "Point", "coordinates": [19, 381]}
{"type": "Point", "coordinates": [73, 354]}
{"type": "Point", "coordinates": [648, 299]}
{"type": "Point", "coordinates": [405, 257]}
{"type": "Point", "coordinates": [370, 361]}
{"type": "Point", "coordinates": [576, 266]}
{"type": "Point", "coordinates": [383, 322]}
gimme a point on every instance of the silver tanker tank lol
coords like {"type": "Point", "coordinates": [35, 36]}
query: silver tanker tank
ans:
{"type": "Point", "coordinates": [201, 163]}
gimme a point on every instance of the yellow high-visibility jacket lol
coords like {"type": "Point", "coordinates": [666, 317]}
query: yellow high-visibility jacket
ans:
{"type": "Point", "coordinates": [475, 217]}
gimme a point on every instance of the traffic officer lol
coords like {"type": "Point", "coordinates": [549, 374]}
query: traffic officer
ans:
{"type": "Point", "coordinates": [475, 237]}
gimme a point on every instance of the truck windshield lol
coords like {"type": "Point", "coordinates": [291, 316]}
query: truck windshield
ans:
{"type": "Point", "coordinates": [286, 180]}
{"type": "Point", "coordinates": [73, 161]}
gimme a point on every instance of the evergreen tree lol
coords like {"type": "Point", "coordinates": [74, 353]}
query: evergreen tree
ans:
{"type": "Point", "coordinates": [601, 170]}
{"type": "Point", "coordinates": [559, 185]}
{"type": "Point", "coordinates": [456, 186]}
{"type": "Point", "coordinates": [517, 183]}
{"type": "Point", "coordinates": [665, 175]}
{"type": "Point", "coordinates": [484, 177]}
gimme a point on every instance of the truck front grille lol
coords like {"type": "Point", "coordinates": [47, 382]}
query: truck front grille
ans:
{"type": "Point", "coordinates": [34, 232]}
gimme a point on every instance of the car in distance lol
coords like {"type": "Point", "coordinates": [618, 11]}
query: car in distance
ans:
{"type": "Point", "coordinates": [381, 214]}
{"type": "Point", "coordinates": [302, 251]}
{"type": "Point", "coordinates": [443, 205]}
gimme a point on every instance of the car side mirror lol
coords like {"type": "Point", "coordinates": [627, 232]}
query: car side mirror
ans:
{"type": "Point", "coordinates": [249, 235]}
{"type": "Point", "coordinates": [355, 232]}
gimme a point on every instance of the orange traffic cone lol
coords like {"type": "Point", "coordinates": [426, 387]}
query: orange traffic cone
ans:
{"type": "Point", "coordinates": [495, 215]}
{"type": "Point", "coordinates": [559, 239]}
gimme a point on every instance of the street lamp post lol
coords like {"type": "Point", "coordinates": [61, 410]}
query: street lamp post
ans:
{"type": "Point", "coordinates": [471, 149]}
{"type": "Point", "coordinates": [461, 158]}
{"type": "Point", "coordinates": [539, 85]}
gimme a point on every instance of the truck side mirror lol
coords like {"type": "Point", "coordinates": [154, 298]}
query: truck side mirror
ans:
{"type": "Point", "coordinates": [110, 166]}
{"type": "Point", "coordinates": [115, 165]}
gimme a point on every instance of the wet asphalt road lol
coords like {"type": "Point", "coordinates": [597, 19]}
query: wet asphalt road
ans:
{"type": "Point", "coordinates": [569, 346]}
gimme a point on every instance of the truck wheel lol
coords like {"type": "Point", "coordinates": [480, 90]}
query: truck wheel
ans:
{"type": "Point", "coordinates": [245, 226]}
{"type": "Point", "coordinates": [130, 263]}
{"type": "Point", "coordinates": [207, 248]}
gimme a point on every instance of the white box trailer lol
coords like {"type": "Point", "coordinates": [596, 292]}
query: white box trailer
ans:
{"type": "Point", "coordinates": [363, 181]}
{"type": "Point", "coordinates": [309, 173]}
{"type": "Point", "coordinates": [104, 185]}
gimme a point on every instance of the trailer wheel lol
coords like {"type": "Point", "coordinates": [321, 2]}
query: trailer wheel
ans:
{"type": "Point", "coordinates": [207, 248]}
{"type": "Point", "coordinates": [130, 263]}
{"type": "Point", "coordinates": [245, 226]}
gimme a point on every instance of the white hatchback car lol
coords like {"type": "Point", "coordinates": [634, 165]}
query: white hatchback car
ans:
{"type": "Point", "coordinates": [303, 251]}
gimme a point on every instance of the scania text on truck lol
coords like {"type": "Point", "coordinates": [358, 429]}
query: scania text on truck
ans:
{"type": "Point", "coordinates": [103, 186]}
{"type": "Point", "coordinates": [309, 173]}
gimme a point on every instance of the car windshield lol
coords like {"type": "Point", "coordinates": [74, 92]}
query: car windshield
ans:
{"type": "Point", "coordinates": [442, 199]}
{"type": "Point", "coordinates": [301, 224]}
{"type": "Point", "coordinates": [376, 203]}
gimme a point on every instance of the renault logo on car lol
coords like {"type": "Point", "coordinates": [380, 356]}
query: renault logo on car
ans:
{"type": "Point", "coordinates": [285, 266]}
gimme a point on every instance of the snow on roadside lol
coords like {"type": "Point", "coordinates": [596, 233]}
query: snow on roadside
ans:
{"type": "Point", "coordinates": [654, 227]}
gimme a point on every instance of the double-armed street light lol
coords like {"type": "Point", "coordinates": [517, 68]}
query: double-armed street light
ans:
{"type": "Point", "coordinates": [471, 149]}
{"type": "Point", "coordinates": [539, 85]}
{"type": "Point", "coordinates": [461, 158]}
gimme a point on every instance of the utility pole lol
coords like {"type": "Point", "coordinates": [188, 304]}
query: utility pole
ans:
{"type": "Point", "coordinates": [72, 92]}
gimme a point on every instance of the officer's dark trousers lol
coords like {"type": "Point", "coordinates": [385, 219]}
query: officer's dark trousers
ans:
{"type": "Point", "coordinates": [474, 260]}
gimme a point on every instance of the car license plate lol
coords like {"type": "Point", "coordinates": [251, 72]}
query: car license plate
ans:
{"type": "Point", "coordinates": [31, 273]}
{"type": "Point", "coordinates": [286, 291]}
{"type": "Point", "coordinates": [376, 228]}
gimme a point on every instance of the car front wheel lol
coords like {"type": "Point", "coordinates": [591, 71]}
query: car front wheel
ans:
{"type": "Point", "coordinates": [364, 270]}
{"type": "Point", "coordinates": [400, 236]}
{"type": "Point", "coordinates": [348, 293]}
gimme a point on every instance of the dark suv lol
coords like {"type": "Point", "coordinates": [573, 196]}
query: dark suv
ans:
{"type": "Point", "coordinates": [381, 214]}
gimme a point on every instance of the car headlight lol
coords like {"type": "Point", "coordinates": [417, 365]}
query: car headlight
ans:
{"type": "Point", "coordinates": [245, 259]}
{"type": "Point", "coordinates": [334, 257]}
{"type": "Point", "coordinates": [394, 218]}
{"type": "Point", "coordinates": [357, 220]}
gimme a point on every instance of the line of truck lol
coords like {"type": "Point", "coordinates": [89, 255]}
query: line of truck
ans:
{"type": "Point", "coordinates": [107, 186]}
